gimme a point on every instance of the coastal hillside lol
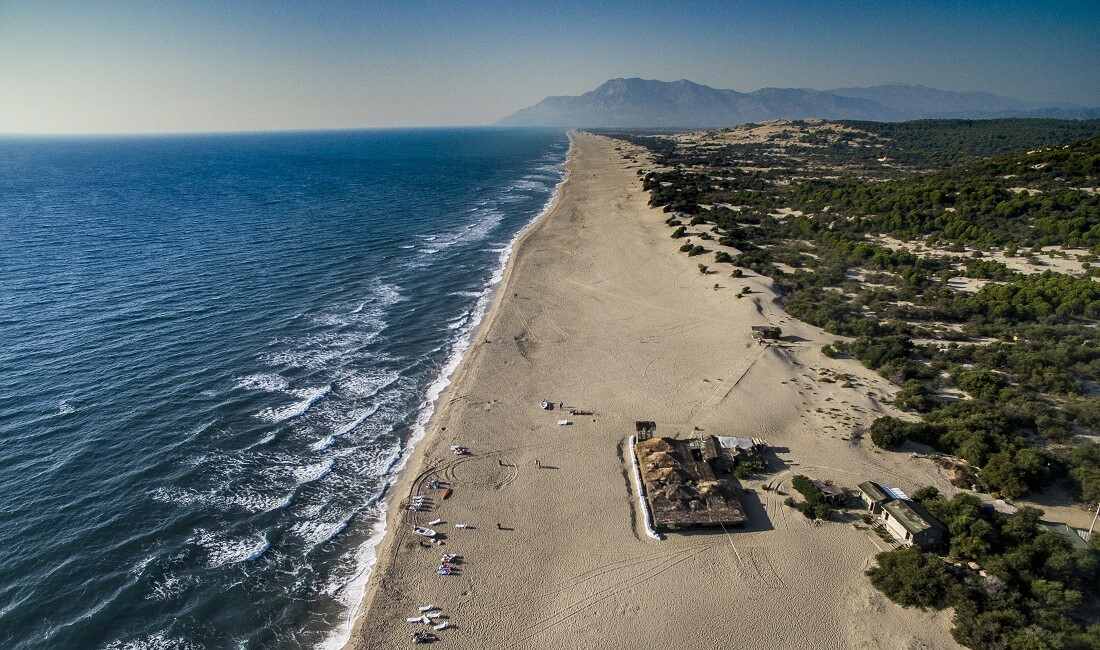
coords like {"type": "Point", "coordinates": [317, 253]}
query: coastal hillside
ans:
{"type": "Point", "coordinates": [960, 263]}
{"type": "Point", "coordinates": [647, 103]}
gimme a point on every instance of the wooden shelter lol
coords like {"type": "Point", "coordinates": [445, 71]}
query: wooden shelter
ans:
{"type": "Point", "coordinates": [685, 484]}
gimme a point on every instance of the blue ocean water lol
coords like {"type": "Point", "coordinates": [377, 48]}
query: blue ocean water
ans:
{"type": "Point", "coordinates": [214, 351]}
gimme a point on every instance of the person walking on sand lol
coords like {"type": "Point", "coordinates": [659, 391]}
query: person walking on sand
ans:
{"type": "Point", "coordinates": [538, 463]}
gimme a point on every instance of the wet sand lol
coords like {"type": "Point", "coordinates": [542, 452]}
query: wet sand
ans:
{"type": "Point", "coordinates": [599, 311]}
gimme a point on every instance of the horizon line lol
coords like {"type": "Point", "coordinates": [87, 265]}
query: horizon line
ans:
{"type": "Point", "coordinates": [336, 129]}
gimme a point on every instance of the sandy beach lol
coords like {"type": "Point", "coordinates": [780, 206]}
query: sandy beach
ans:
{"type": "Point", "coordinates": [600, 312]}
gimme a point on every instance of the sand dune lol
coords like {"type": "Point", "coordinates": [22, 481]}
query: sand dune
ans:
{"type": "Point", "coordinates": [600, 311]}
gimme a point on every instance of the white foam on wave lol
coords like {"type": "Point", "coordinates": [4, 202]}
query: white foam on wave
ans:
{"type": "Point", "coordinates": [486, 219]}
{"type": "Point", "coordinates": [266, 381]}
{"type": "Point", "coordinates": [358, 418]}
{"type": "Point", "coordinates": [528, 185]}
{"type": "Point", "coordinates": [155, 641]}
{"type": "Point", "coordinates": [316, 532]}
{"type": "Point", "coordinates": [309, 397]}
{"type": "Point", "coordinates": [65, 408]}
{"type": "Point", "coordinates": [248, 501]}
{"type": "Point", "coordinates": [349, 326]}
{"type": "Point", "coordinates": [261, 442]}
{"type": "Point", "coordinates": [351, 592]}
{"type": "Point", "coordinates": [310, 473]}
{"type": "Point", "coordinates": [323, 443]}
{"type": "Point", "coordinates": [222, 550]}
{"type": "Point", "coordinates": [363, 385]}
{"type": "Point", "coordinates": [317, 350]}
{"type": "Point", "coordinates": [139, 567]}
{"type": "Point", "coordinates": [169, 587]}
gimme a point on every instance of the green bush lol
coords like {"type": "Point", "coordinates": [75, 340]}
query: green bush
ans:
{"type": "Point", "coordinates": [981, 384]}
{"type": "Point", "coordinates": [1086, 473]}
{"type": "Point", "coordinates": [911, 578]}
{"type": "Point", "coordinates": [814, 505]}
{"type": "Point", "coordinates": [889, 432]}
{"type": "Point", "coordinates": [1013, 473]}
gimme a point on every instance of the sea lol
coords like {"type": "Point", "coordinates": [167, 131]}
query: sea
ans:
{"type": "Point", "coordinates": [216, 351]}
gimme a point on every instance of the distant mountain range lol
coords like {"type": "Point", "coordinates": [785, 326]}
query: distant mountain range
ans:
{"type": "Point", "coordinates": [672, 104]}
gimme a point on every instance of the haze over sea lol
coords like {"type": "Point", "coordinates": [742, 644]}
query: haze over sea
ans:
{"type": "Point", "coordinates": [215, 352]}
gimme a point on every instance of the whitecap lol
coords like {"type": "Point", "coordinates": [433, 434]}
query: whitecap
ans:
{"type": "Point", "coordinates": [309, 398]}
{"type": "Point", "coordinates": [323, 443]}
{"type": "Point", "coordinates": [363, 385]}
{"type": "Point", "coordinates": [315, 533]}
{"type": "Point", "coordinates": [156, 641]}
{"type": "Point", "coordinates": [190, 499]}
{"type": "Point", "coordinates": [169, 586]}
{"type": "Point", "coordinates": [268, 381]}
{"type": "Point", "coordinates": [262, 441]}
{"type": "Point", "coordinates": [222, 550]}
{"type": "Point", "coordinates": [310, 473]}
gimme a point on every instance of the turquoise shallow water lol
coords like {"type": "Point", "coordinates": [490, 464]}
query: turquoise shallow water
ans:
{"type": "Point", "coordinates": [214, 351]}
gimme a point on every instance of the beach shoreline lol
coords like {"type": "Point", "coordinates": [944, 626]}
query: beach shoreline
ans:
{"type": "Point", "coordinates": [596, 310]}
{"type": "Point", "coordinates": [423, 428]}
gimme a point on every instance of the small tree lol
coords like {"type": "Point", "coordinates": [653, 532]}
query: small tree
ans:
{"type": "Point", "coordinates": [888, 433]}
{"type": "Point", "coordinates": [911, 578]}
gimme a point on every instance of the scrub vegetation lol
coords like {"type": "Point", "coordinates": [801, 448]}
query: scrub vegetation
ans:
{"type": "Point", "coordinates": [957, 260]}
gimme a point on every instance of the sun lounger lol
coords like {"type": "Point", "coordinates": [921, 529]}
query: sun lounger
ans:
{"type": "Point", "coordinates": [426, 608]}
{"type": "Point", "coordinates": [434, 522]}
{"type": "Point", "coordinates": [441, 626]}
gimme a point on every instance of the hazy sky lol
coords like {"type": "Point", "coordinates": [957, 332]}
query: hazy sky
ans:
{"type": "Point", "coordinates": [103, 66]}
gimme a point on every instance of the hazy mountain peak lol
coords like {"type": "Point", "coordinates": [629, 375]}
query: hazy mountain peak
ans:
{"type": "Point", "coordinates": [637, 102]}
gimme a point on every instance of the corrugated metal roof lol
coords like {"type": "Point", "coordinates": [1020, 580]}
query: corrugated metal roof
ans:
{"type": "Point", "coordinates": [895, 492]}
{"type": "Point", "coordinates": [740, 442]}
